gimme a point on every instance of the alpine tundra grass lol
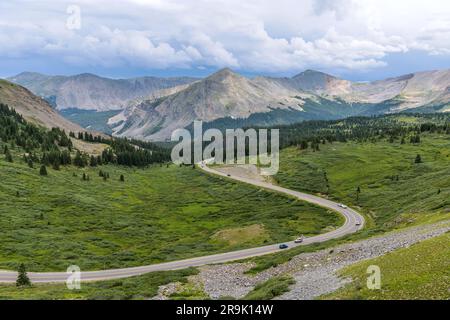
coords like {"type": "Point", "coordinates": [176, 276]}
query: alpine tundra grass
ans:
{"type": "Point", "coordinates": [157, 214]}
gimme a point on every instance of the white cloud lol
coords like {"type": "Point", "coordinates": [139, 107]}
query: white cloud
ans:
{"type": "Point", "coordinates": [269, 36]}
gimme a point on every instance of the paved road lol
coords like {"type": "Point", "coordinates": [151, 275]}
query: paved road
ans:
{"type": "Point", "coordinates": [353, 222]}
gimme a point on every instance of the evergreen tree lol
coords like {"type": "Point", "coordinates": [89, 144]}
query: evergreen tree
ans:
{"type": "Point", "coordinates": [303, 145]}
{"type": "Point", "coordinates": [8, 156]}
{"type": "Point", "coordinates": [418, 159]}
{"type": "Point", "coordinates": [56, 165]}
{"type": "Point", "coordinates": [22, 278]}
{"type": "Point", "coordinates": [78, 160]}
{"type": "Point", "coordinates": [122, 178]}
{"type": "Point", "coordinates": [93, 161]}
{"type": "Point", "coordinates": [43, 171]}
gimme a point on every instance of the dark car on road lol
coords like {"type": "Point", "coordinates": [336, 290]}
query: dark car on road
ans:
{"type": "Point", "coordinates": [284, 246]}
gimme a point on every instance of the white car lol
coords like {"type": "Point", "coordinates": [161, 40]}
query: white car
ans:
{"type": "Point", "coordinates": [299, 240]}
{"type": "Point", "coordinates": [343, 206]}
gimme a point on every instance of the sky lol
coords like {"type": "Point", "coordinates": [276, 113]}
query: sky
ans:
{"type": "Point", "coordinates": [355, 39]}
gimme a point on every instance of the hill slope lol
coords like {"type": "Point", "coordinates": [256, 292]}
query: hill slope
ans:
{"type": "Point", "coordinates": [33, 108]}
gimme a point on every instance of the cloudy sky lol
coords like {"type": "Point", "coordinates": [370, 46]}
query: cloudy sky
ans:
{"type": "Point", "coordinates": [355, 39]}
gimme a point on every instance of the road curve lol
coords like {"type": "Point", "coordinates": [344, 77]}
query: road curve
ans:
{"type": "Point", "coordinates": [353, 223]}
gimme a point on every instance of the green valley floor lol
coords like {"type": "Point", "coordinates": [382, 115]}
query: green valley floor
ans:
{"type": "Point", "coordinates": [158, 214]}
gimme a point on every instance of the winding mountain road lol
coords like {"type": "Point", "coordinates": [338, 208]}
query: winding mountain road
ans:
{"type": "Point", "coordinates": [353, 223]}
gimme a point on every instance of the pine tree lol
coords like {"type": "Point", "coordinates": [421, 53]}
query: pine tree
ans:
{"type": "Point", "coordinates": [8, 156]}
{"type": "Point", "coordinates": [43, 171]}
{"type": "Point", "coordinates": [22, 278]}
{"type": "Point", "coordinates": [358, 191]}
{"type": "Point", "coordinates": [56, 165]}
{"type": "Point", "coordinates": [122, 178]}
{"type": "Point", "coordinates": [78, 160]}
{"type": "Point", "coordinates": [93, 161]}
{"type": "Point", "coordinates": [418, 159]}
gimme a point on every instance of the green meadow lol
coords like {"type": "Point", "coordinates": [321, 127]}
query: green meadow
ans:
{"type": "Point", "coordinates": [394, 190]}
{"type": "Point", "coordinates": [136, 288]}
{"type": "Point", "coordinates": [158, 214]}
{"type": "Point", "coordinates": [419, 272]}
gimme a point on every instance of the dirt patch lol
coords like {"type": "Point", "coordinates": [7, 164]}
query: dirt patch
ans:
{"type": "Point", "coordinates": [235, 236]}
{"type": "Point", "coordinates": [248, 171]}
{"type": "Point", "coordinates": [90, 148]}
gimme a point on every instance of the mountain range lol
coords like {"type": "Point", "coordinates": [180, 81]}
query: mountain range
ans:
{"type": "Point", "coordinates": [153, 107]}
{"type": "Point", "coordinates": [91, 92]}
{"type": "Point", "coordinates": [228, 99]}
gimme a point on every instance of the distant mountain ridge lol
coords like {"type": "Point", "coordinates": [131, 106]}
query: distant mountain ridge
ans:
{"type": "Point", "coordinates": [153, 107]}
{"type": "Point", "coordinates": [91, 92]}
{"type": "Point", "coordinates": [266, 100]}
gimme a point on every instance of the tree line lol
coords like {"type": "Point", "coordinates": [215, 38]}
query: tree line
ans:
{"type": "Point", "coordinates": [55, 148]}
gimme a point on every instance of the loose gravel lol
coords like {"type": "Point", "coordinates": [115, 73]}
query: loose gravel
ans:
{"type": "Point", "coordinates": [315, 273]}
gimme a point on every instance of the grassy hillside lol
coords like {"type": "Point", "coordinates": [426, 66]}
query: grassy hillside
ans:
{"type": "Point", "coordinates": [158, 214]}
{"type": "Point", "coordinates": [138, 288]}
{"type": "Point", "coordinates": [33, 108]}
{"type": "Point", "coordinates": [393, 188]}
{"type": "Point", "coordinates": [90, 119]}
{"type": "Point", "coordinates": [419, 272]}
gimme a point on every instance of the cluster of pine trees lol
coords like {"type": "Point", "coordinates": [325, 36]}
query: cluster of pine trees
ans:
{"type": "Point", "coordinates": [16, 131]}
{"type": "Point", "coordinates": [122, 151]}
{"type": "Point", "coordinates": [310, 134]}
{"type": "Point", "coordinates": [54, 148]}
